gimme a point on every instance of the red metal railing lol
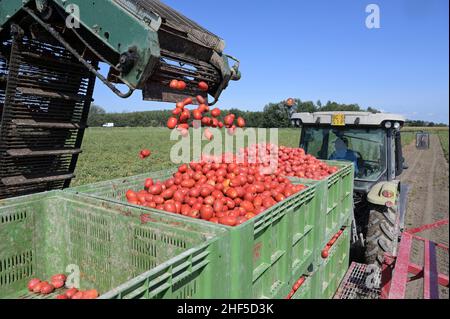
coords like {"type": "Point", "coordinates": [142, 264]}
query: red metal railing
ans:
{"type": "Point", "coordinates": [396, 270]}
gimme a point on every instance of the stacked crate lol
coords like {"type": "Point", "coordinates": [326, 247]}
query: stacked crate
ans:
{"type": "Point", "coordinates": [262, 258]}
{"type": "Point", "coordinates": [336, 214]}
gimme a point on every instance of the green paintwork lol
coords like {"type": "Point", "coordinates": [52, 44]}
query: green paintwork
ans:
{"type": "Point", "coordinates": [375, 195]}
{"type": "Point", "coordinates": [106, 17]}
{"type": "Point", "coordinates": [8, 8]}
{"type": "Point", "coordinates": [125, 31]}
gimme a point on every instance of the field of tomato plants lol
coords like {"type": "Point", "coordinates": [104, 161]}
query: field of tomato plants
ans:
{"type": "Point", "coordinates": [113, 153]}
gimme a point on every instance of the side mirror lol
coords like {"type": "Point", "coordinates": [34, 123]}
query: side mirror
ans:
{"type": "Point", "coordinates": [400, 162]}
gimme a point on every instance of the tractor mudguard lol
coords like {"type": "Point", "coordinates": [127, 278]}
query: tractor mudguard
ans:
{"type": "Point", "coordinates": [384, 193]}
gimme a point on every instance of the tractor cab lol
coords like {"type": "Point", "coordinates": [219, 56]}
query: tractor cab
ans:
{"type": "Point", "coordinates": [373, 143]}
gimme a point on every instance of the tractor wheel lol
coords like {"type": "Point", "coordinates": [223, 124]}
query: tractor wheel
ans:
{"type": "Point", "coordinates": [380, 236]}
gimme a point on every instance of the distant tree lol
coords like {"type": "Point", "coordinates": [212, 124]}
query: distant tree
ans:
{"type": "Point", "coordinates": [319, 104]}
{"type": "Point", "coordinates": [372, 110]}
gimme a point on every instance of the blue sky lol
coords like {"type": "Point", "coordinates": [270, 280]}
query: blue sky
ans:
{"type": "Point", "coordinates": [322, 49]}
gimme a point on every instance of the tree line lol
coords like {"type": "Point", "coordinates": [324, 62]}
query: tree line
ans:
{"type": "Point", "coordinates": [273, 115]}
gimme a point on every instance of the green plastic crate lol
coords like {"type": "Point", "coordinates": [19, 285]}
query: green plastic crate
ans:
{"type": "Point", "coordinates": [333, 269]}
{"type": "Point", "coordinates": [337, 200]}
{"type": "Point", "coordinates": [117, 254]}
{"type": "Point", "coordinates": [266, 252]}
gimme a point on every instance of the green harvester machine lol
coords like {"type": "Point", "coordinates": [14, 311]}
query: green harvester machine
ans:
{"type": "Point", "coordinates": [49, 62]}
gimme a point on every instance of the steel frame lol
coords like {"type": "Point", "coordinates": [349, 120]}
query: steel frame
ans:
{"type": "Point", "coordinates": [396, 270]}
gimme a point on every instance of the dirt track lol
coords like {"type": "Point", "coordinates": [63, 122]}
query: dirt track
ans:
{"type": "Point", "coordinates": [428, 202]}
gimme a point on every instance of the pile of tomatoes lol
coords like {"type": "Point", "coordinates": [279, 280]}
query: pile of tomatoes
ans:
{"type": "Point", "coordinates": [228, 194]}
{"type": "Point", "coordinates": [182, 118]}
{"type": "Point", "coordinates": [325, 251]}
{"type": "Point", "coordinates": [58, 281]}
{"type": "Point", "coordinates": [292, 162]}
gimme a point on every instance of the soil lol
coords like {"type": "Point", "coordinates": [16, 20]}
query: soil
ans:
{"type": "Point", "coordinates": [428, 202]}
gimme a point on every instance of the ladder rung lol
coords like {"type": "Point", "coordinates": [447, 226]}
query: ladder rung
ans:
{"type": "Point", "coordinates": [33, 123]}
{"type": "Point", "coordinates": [22, 180]}
{"type": "Point", "coordinates": [26, 152]}
{"type": "Point", "coordinates": [49, 59]}
{"type": "Point", "coordinates": [49, 94]}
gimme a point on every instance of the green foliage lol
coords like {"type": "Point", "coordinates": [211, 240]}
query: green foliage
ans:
{"type": "Point", "coordinates": [443, 137]}
{"type": "Point", "coordinates": [419, 123]}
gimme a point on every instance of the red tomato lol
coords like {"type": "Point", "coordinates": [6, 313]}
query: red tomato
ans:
{"type": "Point", "coordinates": [58, 283]}
{"type": "Point", "coordinates": [197, 115]}
{"type": "Point", "coordinates": [187, 101]}
{"type": "Point", "coordinates": [241, 122]}
{"type": "Point", "coordinates": [181, 85]}
{"type": "Point", "coordinates": [155, 189]}
{"type": "Point", "coordinates": [228, 221]}
{"type": "Point", "coordinates": [206, 121]}
{"type": "Point", "coordinates": [172, 123]}
{"type": "Point", "coordinates": [249, 215]}
{"type": "Point", "coordinates": [146, 153]}
{"type": "Point", "coordinates": [71, 292]}
{"type": "Point", "coordinates": [325, 253]}
{"type": "Point", "coordinates": [90, 294]}
{"type": "Point", "coordinates": [131, 195]}
{"type": "Point", "coordinates": [231, 193]}
{"type": "Point", "coordinates": [215, 112]}
{"type": "Point", "coordinates": [248, 206]}
{"type": "Point", "coordinates": [218, 206]}
{"type": "Point", "coordinates": [167, 194]}
{"type": "Point", "coordinates": [47, 288]}
{"type": "Point", "coordinates": [185, 115]}
{"type": "Point", "coordinates": [201, 99]}
{"type": "Point", "coordinates": [206, 212]}
{"type": "Point", "coordinates": [170, 207]}
{"type": "Point", "coordinates": [203, 108]}
{"type": "Point", "coordinates": [203, 86]}
{"type": "Point", "coordinates": [37, 287]}
{"type": "Point", "coordinates": [174, 84]}
{"type": "Point", "coordinates": [148, 183]}
{"type": "Point", "coordinates": [183, 168]}
{"type": "Point", "coordinates": [214, 220]}
{"type": "Point", "coordinates": [228, 120]}
{"type": "Point", "coordinates": [177, 111]}
{"type": "Point", "coordinates": [32, 283]}
{"type": "Point", "coordinates": [62, 297]}
{"type": "Point", "coordinates": [78, 295]}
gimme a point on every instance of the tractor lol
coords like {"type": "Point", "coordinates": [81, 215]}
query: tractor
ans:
{"type": "Point", "coordinates": [373, 143]}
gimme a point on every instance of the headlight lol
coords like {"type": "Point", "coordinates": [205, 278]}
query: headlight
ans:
{"type": "Point", "coordinates": [397, 125]}
{"type": "Point", "coordinates": [388, 125]}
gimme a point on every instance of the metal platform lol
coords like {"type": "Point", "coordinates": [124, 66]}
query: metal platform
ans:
{"type": "Point", "coordinates": [360, 282]}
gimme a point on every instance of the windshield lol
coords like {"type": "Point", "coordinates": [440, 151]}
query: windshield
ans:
{"type": "Point", "coordinates": [366, 148]}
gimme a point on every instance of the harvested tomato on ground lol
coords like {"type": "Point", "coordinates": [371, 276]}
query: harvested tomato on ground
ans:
{"type": "Point", "coordinates": [145, 153]}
